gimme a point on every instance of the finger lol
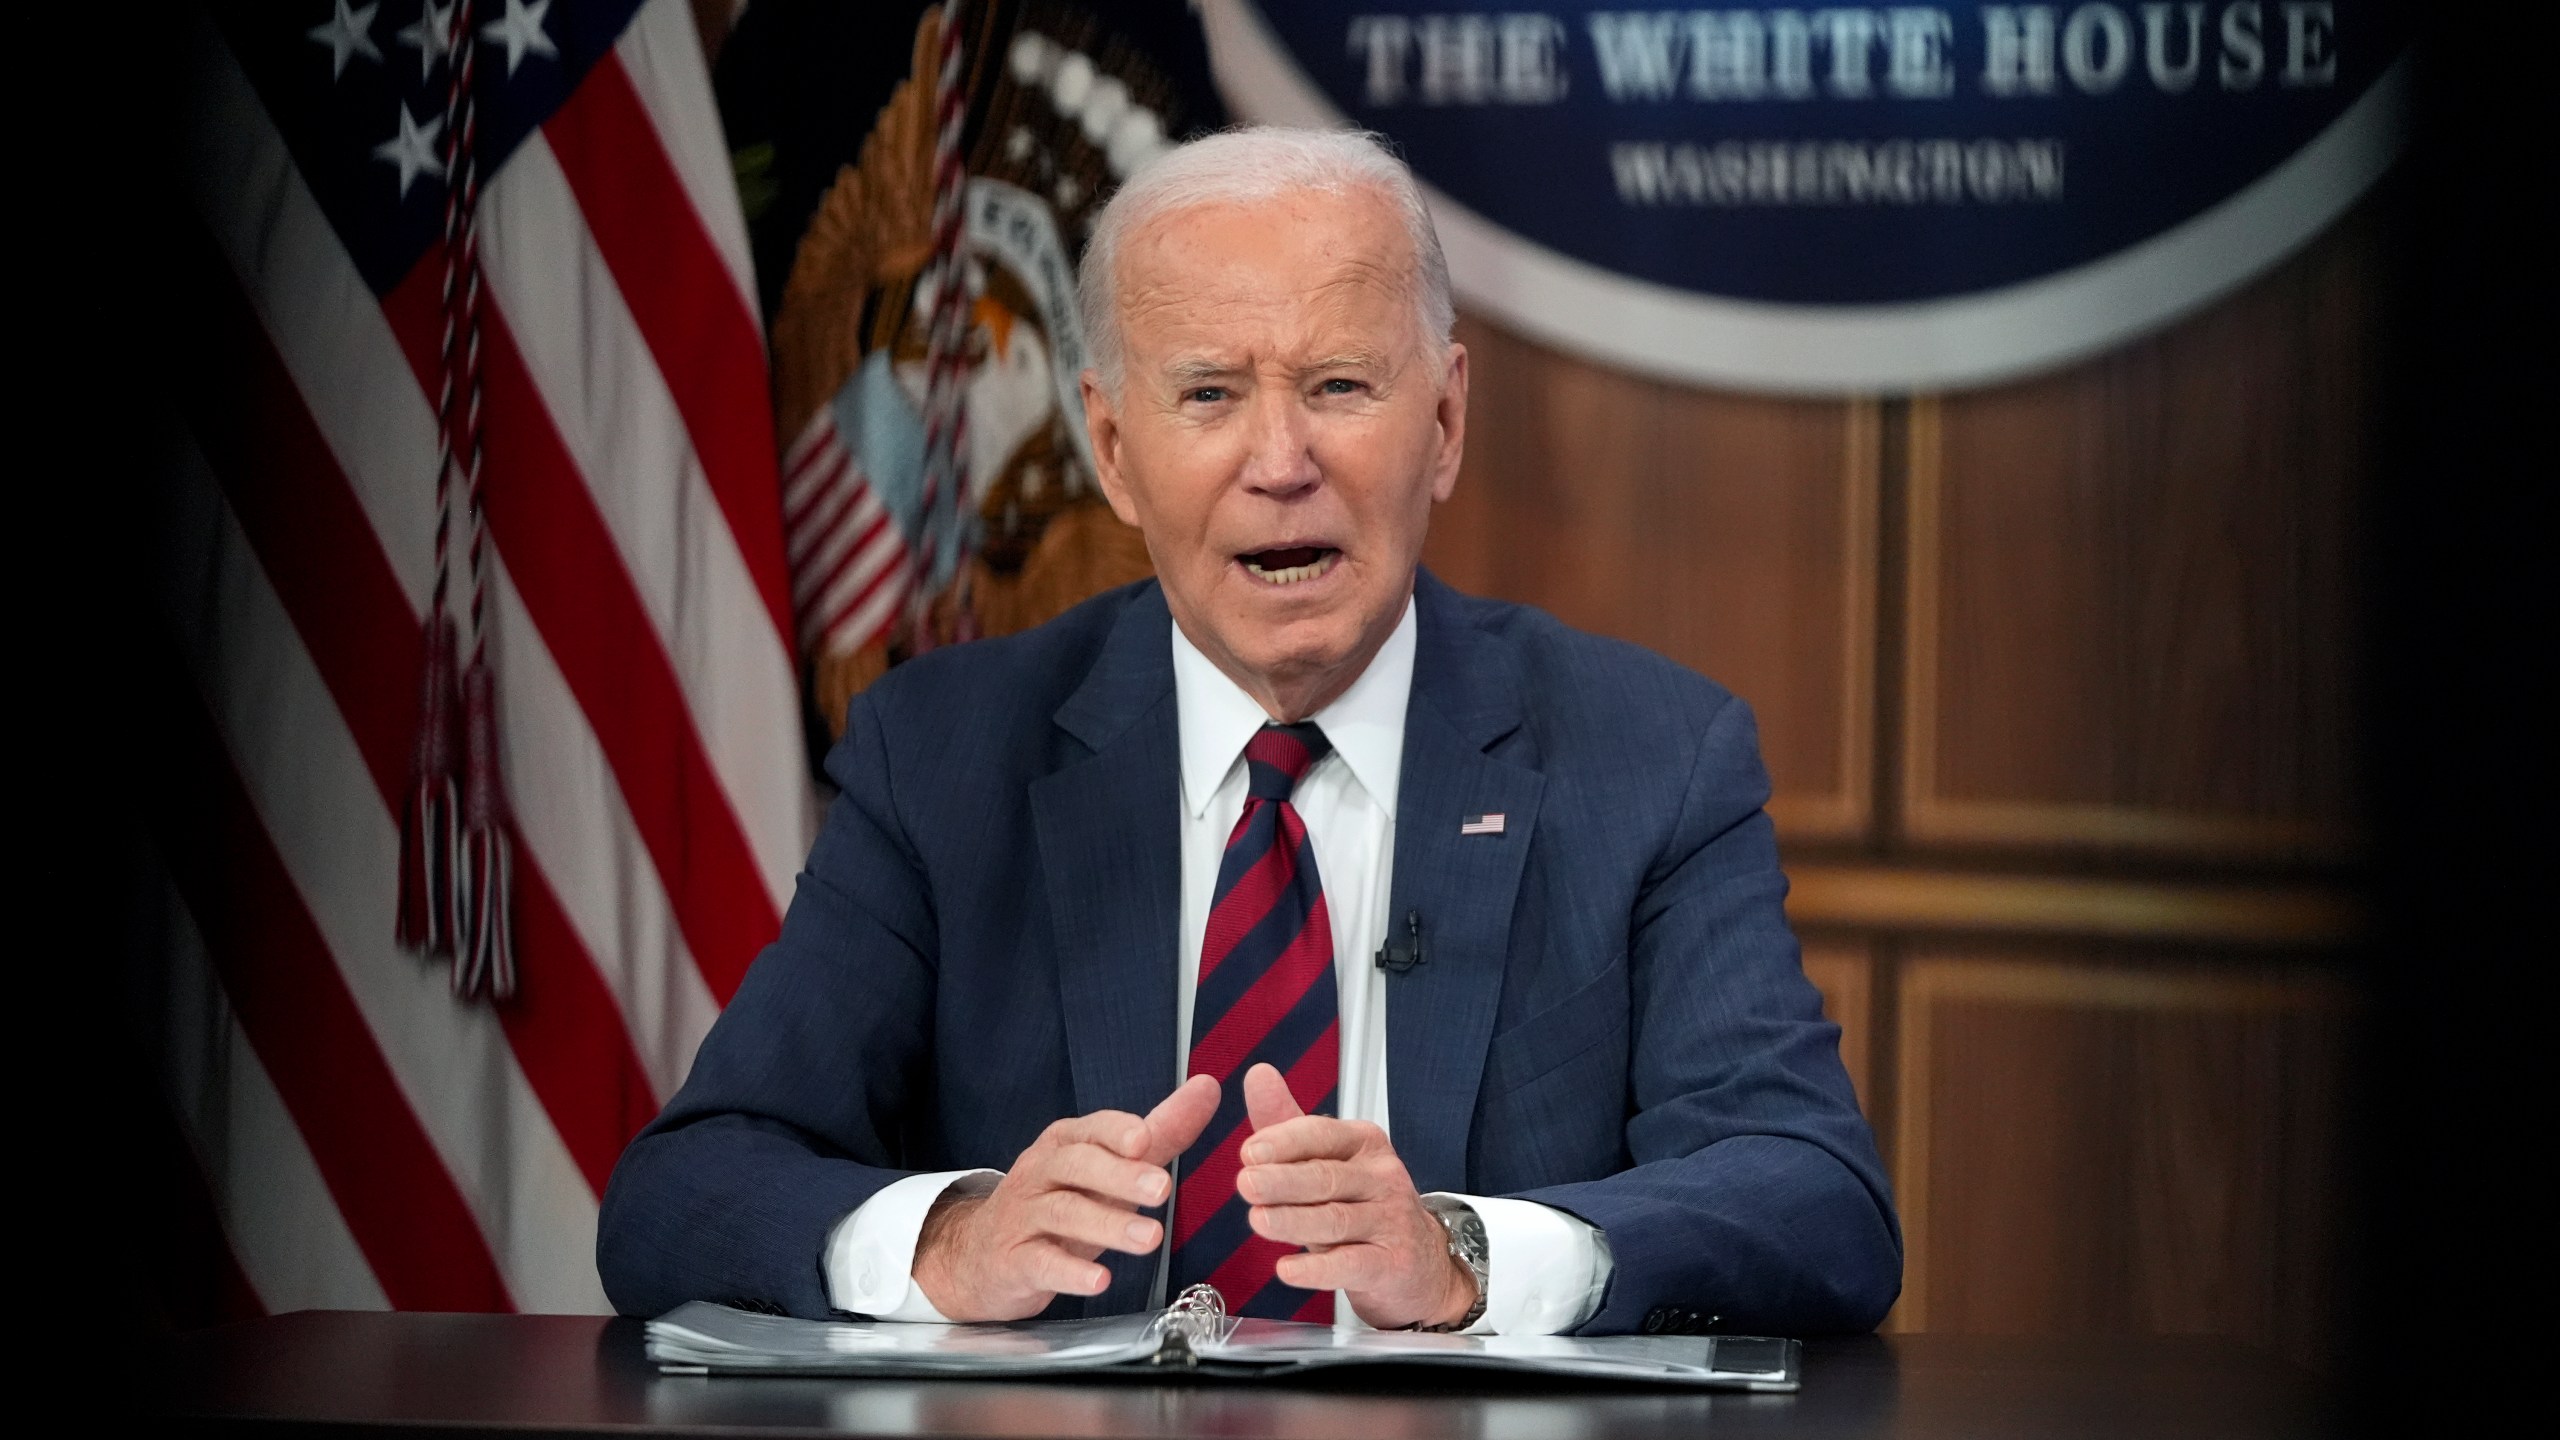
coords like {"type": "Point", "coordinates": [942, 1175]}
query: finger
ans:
{"type": "Point", "coordinates": [1105, 1175]}
{"type": "Point", "coordinates": [1048, 1266]}
{"type": "Point", "coordinates": [1309, 1137]}
{"type": "Point", "coordinates": [1267, 1101]}
{"type": "Point", "coordinates": [1327, 1225]}
{"type": "Point", "coordinates": [1115, 1130]}
{"type": "Point", "coordinates": [1178, 1120]}
{"type": "Point", "coordinates": [1344, 1267]}
{"type": "Point", "coordinates": [1077, 1218]}
{"type": "Point", "coordinates": [1303, 1182]}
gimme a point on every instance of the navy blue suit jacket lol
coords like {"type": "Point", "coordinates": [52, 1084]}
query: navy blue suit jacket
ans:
{"type": "Point", "coordinates": [1612, 1018]}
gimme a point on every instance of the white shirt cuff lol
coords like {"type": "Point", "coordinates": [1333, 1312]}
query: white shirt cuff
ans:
{"type": "Point", "coordinates": [871, 1254]}
{"type": "Point", "coordinates": [1545, 1270]}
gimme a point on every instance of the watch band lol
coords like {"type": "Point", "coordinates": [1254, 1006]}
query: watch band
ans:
{"type": "Point", "coordinates": [1467, 1241]}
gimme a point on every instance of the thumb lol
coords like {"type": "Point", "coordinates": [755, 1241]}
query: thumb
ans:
{"type": "Point", "coordinates": [1267, 1101]}
{"type": "Point", "coordinates": [1179, 1118]}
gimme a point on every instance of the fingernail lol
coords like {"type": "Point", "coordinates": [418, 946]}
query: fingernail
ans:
{"type": "Point", "coordinates": [1100, 1281]}
{"type": "Point", "coordinates": [1256, 1153]}
{"type": "Point", "coordinates": [1141, 1231]}
{"type": "Point", "coordinates": [1156, 1186]}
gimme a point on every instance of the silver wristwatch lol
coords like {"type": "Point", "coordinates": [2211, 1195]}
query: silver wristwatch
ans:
{"type": "Point", "coordinates": [1467, 1242]}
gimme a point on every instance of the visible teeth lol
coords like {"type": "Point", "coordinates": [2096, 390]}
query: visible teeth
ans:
{"type": "Point", "coordinates": [1295, 573]}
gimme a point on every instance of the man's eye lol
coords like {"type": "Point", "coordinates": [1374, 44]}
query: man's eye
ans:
{"type": "Point", "coordinates": [1339, 387]}
{"type": "Point", "coordinates": [1205, 394]}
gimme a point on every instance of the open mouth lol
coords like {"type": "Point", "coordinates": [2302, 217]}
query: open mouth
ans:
{"type": "Point", "coordinates": [1290, 564]}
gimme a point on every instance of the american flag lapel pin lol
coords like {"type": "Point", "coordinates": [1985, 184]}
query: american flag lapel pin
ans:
{"type": "Point", "coordinates": [1481, 824]}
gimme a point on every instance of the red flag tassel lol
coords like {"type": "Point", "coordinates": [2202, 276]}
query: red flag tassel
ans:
{"type": "Point", "coordinates": [484, 959]}
{"type": "Point", "coordinates": [430, 835]}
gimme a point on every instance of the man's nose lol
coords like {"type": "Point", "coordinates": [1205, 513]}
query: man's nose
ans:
{"type": "Point", "coordinates": [1280, 459]}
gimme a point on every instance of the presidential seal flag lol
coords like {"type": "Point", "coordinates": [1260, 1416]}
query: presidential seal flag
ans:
{"type": "Point", "coordinates": [471, 535]}
{"type": "Point", "coordinates": [920, 180]}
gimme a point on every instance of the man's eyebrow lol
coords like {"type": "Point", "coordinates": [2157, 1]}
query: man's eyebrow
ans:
{"type": "Point", "coordinates": [1361, 359]}
{"type": "Point", "coordinates": [1196, 368]}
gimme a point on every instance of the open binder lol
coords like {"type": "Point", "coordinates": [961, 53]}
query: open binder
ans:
{"type": "Point", "coordinates": [1194, 1335]}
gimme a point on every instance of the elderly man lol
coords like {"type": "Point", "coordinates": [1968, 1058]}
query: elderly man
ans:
{"type": "Point", "coordinates": [1464, 927]}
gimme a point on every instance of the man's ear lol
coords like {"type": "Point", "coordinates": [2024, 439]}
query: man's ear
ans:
{"type": "Point", "coordinates": [1452, 416]}
{"type": "Point", "coordinates": [1102, 428]}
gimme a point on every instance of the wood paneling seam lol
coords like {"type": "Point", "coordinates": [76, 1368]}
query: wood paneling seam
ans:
{"type": "Point", "coordinates": [1844, 814]}
{"type": "Point", "coordinates": [1885, 898]}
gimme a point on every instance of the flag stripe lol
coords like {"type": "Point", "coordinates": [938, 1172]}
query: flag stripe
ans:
{"type": "Point", "coordinates": [860, 535]}
{"type": "Point", "coordinates": [318, 550]}
{"type": "Point", "coordinates": [813, 480]}
{"type": "Point", "coordinates": [607, 400]}
{"type": "Point", "coordinates": [383, 1173]}
{"type": "Point", "coordinates": [711, 355]}
{"type": "Point", "coordinates": [570, 816]}
{"type": "Point", "coordinates": [662, 54]}
{"type": "Point", "coordinates": [568, 1036]}
{"type": "Point", "coordinates": [815, 437]}
{"type": "Point", "coordinates": [583, 604]}
{"type": "Point", "coordinates": [876, 581]}
{"type": "Point", "coordinates": [807, 548]}
{"type": "Point", "coordinates": [281, 1226]}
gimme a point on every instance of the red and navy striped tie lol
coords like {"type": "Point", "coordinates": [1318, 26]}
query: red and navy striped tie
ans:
{"type": "Point", "coordinates": [1266, 994]}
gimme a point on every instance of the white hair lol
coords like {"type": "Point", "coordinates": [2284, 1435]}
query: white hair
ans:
{"type": "Point", "coordinates": [1256, 162]}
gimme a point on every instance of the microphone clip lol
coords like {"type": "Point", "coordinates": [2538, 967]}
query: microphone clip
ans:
{"type": "Point", "coordinates": [1395, 959]}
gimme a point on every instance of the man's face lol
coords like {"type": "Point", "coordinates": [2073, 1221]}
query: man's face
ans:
{"type": "Point", "coordinates": [1281, 432]}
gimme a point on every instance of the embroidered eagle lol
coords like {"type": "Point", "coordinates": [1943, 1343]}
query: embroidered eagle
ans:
{"type": "Point", "coordinates": [1060, 109]}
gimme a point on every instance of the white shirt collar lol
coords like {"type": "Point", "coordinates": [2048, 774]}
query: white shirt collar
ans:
{"type": "Point", "coordinates": [1365, 723]}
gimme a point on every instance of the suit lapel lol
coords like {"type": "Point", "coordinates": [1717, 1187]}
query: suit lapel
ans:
{"type": "Point", "coordinates": [1440, 1014]}
{"type": "Point", "coordinates": [1110, 847]}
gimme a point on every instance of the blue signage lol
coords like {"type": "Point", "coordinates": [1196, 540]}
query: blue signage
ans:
{"type": "Point", "coordinates": [1849, 167]}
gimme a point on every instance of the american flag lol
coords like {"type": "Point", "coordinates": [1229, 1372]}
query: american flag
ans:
{"type": "Point", "coordinates": [366, 1136]}
{"type": "Point", "coordinates": [850, 567]}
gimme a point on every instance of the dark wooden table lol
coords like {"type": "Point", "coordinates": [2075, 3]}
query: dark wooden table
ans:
{"type": "Point", "coordinates": [555, 1375]}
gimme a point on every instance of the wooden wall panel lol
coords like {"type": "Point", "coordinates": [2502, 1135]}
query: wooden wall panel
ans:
{"type": "Point", "coordinates": [2086, 1143]}
{"type": "Point", "coordinates": [2117, 623]}
{"type": "Point", "coordinates": [1733, 534]}
{"type": "Point", "coordinates": [1843, 970]}
{"type": "Point", "coordinates": [2128, 584]}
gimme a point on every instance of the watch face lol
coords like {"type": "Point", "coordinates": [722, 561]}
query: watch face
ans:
{"type": "Point", "coordinates": [1473, 1246]}
{"type": "Point", "coordinates": [1467, 1239]}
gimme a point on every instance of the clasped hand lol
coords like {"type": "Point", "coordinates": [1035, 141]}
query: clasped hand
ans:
{"type": "Point", "coordinates": [1335, 1187]}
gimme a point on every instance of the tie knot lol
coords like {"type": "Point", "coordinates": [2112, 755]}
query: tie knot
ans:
{"type": "Point", "coordinates": [1279, 756]}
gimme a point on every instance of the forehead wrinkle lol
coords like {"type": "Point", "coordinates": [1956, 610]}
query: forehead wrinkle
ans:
{"type": "Point", "coordinates": [1214, 324]}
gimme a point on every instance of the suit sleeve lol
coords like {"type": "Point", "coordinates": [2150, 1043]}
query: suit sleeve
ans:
{"type": "Point", "coordinates": [1756, 1202]}
{"type": "Point", "coordinates": [789, 1119]}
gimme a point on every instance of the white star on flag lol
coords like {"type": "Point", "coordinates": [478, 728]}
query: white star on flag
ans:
{"type": "Point", "coordinates": [347, 33]}
{"type": "Point", "coordinates": [413, 149]}
{"type": "Point", "coordinates": [520, 29]}
{"type": "Point", "coordinates": [431, 35]}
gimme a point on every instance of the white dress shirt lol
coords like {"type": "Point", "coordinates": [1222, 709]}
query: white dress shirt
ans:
{"type": "Point", "coordinates": [1547, 1269]}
